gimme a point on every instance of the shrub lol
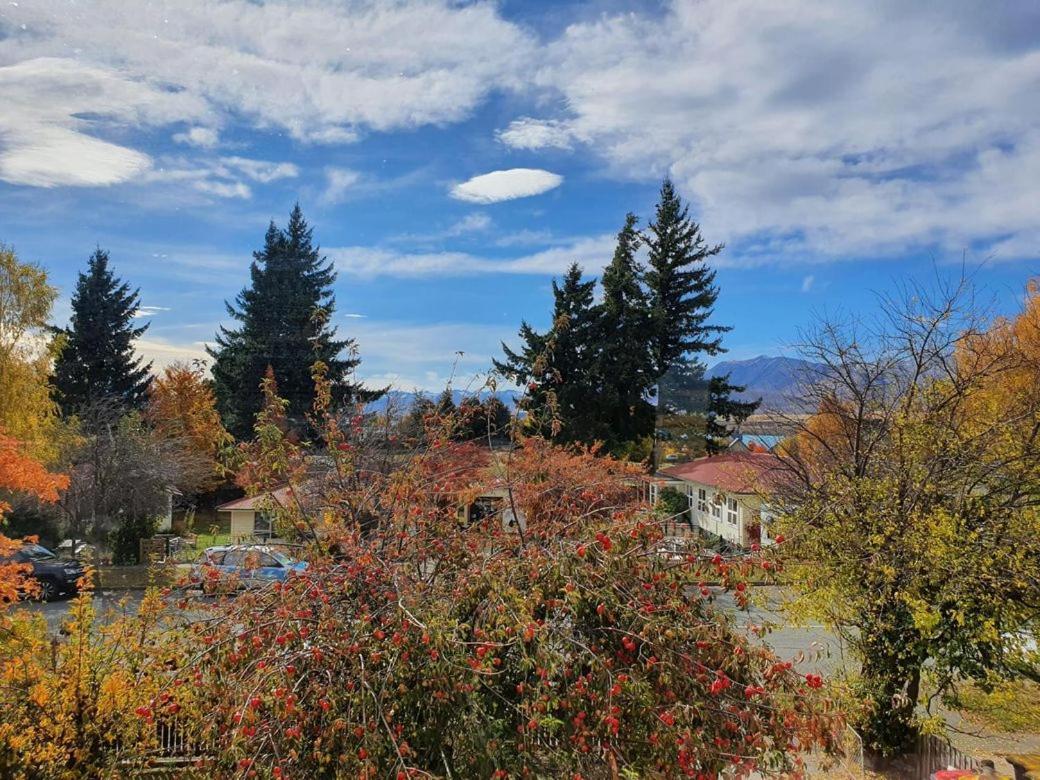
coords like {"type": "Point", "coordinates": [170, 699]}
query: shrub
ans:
{"type": "Point", "coordinates": [672, 502]}
{"type": "Point", "coordinates": [126, 538]}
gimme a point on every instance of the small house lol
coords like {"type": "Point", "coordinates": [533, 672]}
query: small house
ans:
{"type": "Point", "coordinates": [725, 493]}
{"type": "Point", "coordinates": [252, 517]}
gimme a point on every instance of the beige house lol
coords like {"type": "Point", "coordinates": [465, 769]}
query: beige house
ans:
{"type": "Point", "coordinates": [725, 493]}
{"type": "Point", "coordinates": [252, 517]}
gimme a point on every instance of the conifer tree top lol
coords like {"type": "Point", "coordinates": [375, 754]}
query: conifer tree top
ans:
{"type": "Point", "coordinates": [284, 320]}
{"type": "Point", "coordinates": [98, 361]}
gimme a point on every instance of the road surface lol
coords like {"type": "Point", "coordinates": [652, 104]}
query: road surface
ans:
{"type": "Point", "coordinates": [108, 605]}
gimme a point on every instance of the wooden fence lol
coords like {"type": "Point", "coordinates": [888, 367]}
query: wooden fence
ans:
{"type": "Point", "coordinates": [933, 753]}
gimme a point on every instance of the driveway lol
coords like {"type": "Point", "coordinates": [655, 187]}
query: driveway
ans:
{"type": "Point", "coordinates": [108, 605]}
{"type": "Point", "coordinates": [810, 646]}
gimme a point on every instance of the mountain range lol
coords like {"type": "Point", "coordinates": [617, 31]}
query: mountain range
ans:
{"type": "Point", "coordinates": [774, 379]}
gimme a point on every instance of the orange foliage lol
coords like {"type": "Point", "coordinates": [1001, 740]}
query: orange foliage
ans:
{"type": "Point", "coordinates": [22, 473]}
{"type": "Point", "coordinates": [181, 405]}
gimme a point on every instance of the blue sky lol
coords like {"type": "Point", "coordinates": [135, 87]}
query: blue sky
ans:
{"type": "Point", "coordinates": [454, 156]}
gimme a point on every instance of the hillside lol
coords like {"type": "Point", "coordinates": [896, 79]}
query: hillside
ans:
{"type": "Point", "coordinates": [774, 379]}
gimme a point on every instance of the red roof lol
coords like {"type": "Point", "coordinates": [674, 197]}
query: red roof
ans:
{"type": "Point", "coordinates": [734, 472]}
{"type": "Point", "coordinates": [259, 501]}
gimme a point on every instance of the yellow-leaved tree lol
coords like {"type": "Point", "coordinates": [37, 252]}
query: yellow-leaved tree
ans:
{"type": "Point", "coordinates": [26, 409]}
{"type": "Point", "coordinates": [182, 408]}
{"type": "Point", "coordinates": [910, 503]}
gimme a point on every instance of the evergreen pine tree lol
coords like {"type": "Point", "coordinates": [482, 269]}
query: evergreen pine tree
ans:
{"type": "Point", "coordinates": [97, 361]}
{"type": "Point", "coordinates": [284, 323]}
{"type": "Point", "coordinates": [681, 285]}
{"type": "Point", "coordinates": [446, 403]}
{"type": "Point", "coordinates": [625, 372]}
{"type": "Point", "coordinates": [684, 388]}
{"type": "Point", "coordinates": [558, 368]}
{"type": "Point", "coordinates": [682, 294]}
{"type": "Point", "coordinates": [725, 413]}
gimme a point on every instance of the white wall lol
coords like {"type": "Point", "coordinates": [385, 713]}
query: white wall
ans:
{"type": "Point", "coordinates": [721, 524]}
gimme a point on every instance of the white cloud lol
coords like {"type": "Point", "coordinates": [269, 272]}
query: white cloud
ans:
{"type": "Point", "coordinates": [262, 171]}
{"type": "Point", "coordinates": [592, 253]}
{"type": "Point", "coordinates": [790, 121]}
{"type": "Point", "coordinates": [203, 137]}
{"type": "Point", "coordinates": [224, 189]}
{"type": "Point", "coordinates": [149, 311]}
{"type": "Point", "coordinates": [471, 223]}
{"type": "Point", "coordinates": [528, 133]}
{"type": "Point", "coordinates": [477, 222]}
{"type": "Point", "coordinates": [43, 123]}
{"type": "Point", "coordinates": [161, 353]}
{"type": "Point", "coordinates": [807, 283]}
{"type": "Point", "coordinates": [425, 356]}
{"type": "Point", "coordinates": [223, 178]}
{"type": "Point", "coordinates": [320, 71]}
{"type": "Point", "coordinates": [338, 182]}
{"type": "Point", "coordinates": [506, 185]}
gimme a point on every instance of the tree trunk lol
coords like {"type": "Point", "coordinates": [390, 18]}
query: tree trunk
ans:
{"type": "Point", "coordinates": [890, 685]}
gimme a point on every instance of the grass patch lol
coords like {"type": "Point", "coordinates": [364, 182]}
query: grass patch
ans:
{"type": "Point", "coordinates": [202, 541]}
{"type": "Point", "coordinates": [1012, 707]}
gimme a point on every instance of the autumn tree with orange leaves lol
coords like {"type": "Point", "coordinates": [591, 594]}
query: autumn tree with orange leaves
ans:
{"type": "Point", "coordinates": [182, 408]}
{"type": "Point", "coordinates": [20, 473]}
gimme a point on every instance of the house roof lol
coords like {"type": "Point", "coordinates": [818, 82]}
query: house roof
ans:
{"type": "Point", "coordinates": [734, 472]}
{"type": "Point", "coordinates": [259, 501]}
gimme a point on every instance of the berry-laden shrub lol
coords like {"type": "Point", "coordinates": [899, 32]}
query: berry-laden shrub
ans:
{"type": "Point", "coordinates": [431, 647]}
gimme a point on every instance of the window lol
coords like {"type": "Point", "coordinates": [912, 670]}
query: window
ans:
{"type": "Point", "coordinates": [216, 557]}
{"type": "Point", "coordinates": [716, 506]}
{"type": "Point", "coordinates": [263, 525]}
{"type": "Point", "coordinates": [268, 561]}
{"type": "Point", "coordinates": [702, 500]}
{"type": "Point", "coordinates": [236, 558]}
{"type": "Point", "coordinates": [731, 511]}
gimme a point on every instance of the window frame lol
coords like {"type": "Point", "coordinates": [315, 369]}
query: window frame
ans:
{"type": "Point", "coordinates": [732, 511]}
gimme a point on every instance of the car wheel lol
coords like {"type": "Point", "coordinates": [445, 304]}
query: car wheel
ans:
{"type": "Point", "coordinates": [48, 590]}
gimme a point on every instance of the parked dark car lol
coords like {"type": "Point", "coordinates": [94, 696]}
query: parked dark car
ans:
{"type": "Point", "coordinates": [55, 576]}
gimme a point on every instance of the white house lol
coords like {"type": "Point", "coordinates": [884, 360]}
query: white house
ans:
{"type": "Point", "coordinates": [725, 493]}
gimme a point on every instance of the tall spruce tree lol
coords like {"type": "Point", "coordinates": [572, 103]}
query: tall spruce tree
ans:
{"type": "Point", "coordinates": [559, 368]}
{"type": "Point", "coordinates": [597, 369]}
{"type": "Point", "coordinates": [682, 292]}
{"type": "Point", "coordinates": [284, 323]}
{"type": "Point", "coordinates": [681, 284]}
{"type": "Point", "coordinates": [97, 361]}
{"type": "Point", "coordinates": [625, 372]}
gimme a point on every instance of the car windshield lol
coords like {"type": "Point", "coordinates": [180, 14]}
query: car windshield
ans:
{"type": "Point", "coordinates": [34, 552]}
{"type": "Point", "coordinates": [282, 558]}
